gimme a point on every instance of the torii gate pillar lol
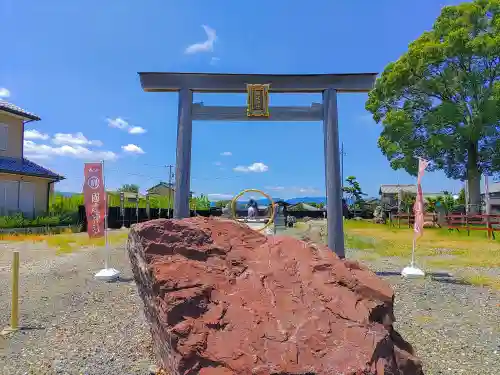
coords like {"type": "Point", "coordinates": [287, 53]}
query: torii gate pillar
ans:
{"type": "Point", "coordinates": [334, 210]}
{"type": "Point", "coordinates": [183, 154]}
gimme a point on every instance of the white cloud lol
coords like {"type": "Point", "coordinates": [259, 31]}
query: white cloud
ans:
{"type": "Point", "coordinates": [214, 60]}
{"type": "Point", "coordinates": [38, 151]}
{"type": "Point", "coordinates": [133, 149]}
{"type": "Point", "coordinates": [118, 123]}
{"type": "Point", "coordinates": [35, 134]}
{"type": "Point", "coordinates": [207, 45]}
{"type": "Point", "coordinates": [38, 157]}
{"type": "Point", "coordinates": [4, 93]}
{"type": "Point", "coordinates": [74, 139]}
{"type": "Point", "coordinates": [305, 190]}
{"type": "Point", "coordinates": [226, 153]}
{"type": "Point", "coordinates": [275, 188]}
{"type": "Point", "coordinates": [219, 196]}
{"type": "Point", "coordinates": [122, 124]}
{"type": "Point", "coordinates": [136, 130]}
{"type": "Point", "coordinates": [255, 167]}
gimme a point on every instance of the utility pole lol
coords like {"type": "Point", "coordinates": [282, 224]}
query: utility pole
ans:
{"type": "Point", "coordinates": [170, 177]}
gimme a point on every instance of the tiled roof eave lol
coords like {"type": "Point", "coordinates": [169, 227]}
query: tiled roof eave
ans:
{"type": "Point", "coordinates": [15, 110]}
{"type": "Point", "coordinates": [47, 176]}
{"type": "Point", "coordinates": [25, 167]}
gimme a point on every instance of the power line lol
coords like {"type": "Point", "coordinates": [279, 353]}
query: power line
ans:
{"type": "Point", "coordinates": [153, 165]}
{"type": "Point", "coordinates": [134, 174]}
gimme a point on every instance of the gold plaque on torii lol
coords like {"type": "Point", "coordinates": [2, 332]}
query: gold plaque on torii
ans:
{"type": "Point", "coordinates": [258, 100]}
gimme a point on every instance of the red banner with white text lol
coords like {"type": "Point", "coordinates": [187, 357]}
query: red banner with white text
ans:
{"type": "Point", "coordinates": [418, 207]}
{"type": "Point", "coordinates": [95, 199]}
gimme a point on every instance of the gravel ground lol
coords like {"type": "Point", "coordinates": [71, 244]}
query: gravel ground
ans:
{"type": "Point", "coordinates": [73, 323]}
{"type": "Point", "coordinates": [454, 328]}
{"type": "Point", "coordinates": [76, 325]}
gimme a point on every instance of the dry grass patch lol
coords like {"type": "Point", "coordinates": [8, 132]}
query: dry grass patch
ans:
{"type": "Point", "coordinates": [424, 319]}
{"type": "Point", "coordinates": [22, 238]}
{"type": "Point", "coordinates": [68, 242]}
{"type": "Point", "coordinates": [482, 280]}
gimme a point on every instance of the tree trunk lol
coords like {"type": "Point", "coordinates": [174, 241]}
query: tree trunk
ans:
{"type": "Point", "coordinates": [474, 180]}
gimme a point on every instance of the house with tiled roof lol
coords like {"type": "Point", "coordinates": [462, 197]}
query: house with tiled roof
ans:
{"type": "Point", "coordinates": [391, 194]}
{"type": "Point", "coordinates": [25, 186]}
{"type": "Point", "coordinates": [164, 189]}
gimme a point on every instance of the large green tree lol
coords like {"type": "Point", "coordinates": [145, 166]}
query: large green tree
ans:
{"type": "Point", "coordinates": [441, 99]}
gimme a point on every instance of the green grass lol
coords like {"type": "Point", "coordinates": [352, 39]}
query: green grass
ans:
{"type": "Point", "coordinates": [360, 242]}
{"type": "Point", "coordinates": [437, 249]}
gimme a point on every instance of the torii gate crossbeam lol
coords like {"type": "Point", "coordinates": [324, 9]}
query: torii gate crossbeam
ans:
{"type": "Point", "coordinates": [327, 84]}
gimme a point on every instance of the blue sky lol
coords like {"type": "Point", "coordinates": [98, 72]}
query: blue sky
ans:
{"type": "Point", "coordinates": [75, 64]}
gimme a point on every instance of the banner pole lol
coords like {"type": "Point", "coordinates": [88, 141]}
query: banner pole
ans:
{"type": "Point", "coordinates": [412, 264]}
{"type": "Point", "coordinates": [414, 244]}
{"type": "Point", "coordinates": [106, 259]}
{"type": "Point", "coordinates": [418, 223]}
{"type": "Point", "coordinates": [108, 273]}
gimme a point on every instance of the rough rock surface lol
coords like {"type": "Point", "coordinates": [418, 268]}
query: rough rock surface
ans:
{"type": "Point", "coordinates": [223, 299]}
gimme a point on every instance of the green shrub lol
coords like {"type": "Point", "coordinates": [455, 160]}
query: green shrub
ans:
{"type": "Point", "coordinates": [19, 221]}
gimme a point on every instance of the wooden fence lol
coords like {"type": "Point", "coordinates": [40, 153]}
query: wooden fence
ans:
{"type": "Point", "coordinates": [408, 219]}
{"type": "Point", "coordinates": [458, 222]}
{"type": "Point", "coordinates": [488, 223]}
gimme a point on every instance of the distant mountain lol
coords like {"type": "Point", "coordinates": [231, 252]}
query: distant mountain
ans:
{"type": "Point", "coordinates": [306, 200]}
{"type": "Point", "coordinates": [260, 202]}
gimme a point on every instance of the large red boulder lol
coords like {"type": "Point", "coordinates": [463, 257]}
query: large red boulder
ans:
{"type": "Point", "coordinates": [223, 299]}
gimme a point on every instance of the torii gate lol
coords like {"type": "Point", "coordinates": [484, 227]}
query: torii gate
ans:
{"type": "Point", "coordinates": [327, 84]}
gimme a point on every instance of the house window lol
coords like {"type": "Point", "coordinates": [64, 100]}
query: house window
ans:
{"type": "Point", "coordinates": [4, 133]}
{"type": "Point", "coordinates": [27, 199]}
{"type": "Point", "coordinates": [9, 194]}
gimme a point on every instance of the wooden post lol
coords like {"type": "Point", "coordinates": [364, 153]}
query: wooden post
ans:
{"type": "Point", "coordinates": [334, 208]}
{"type": "Point", "coordinates": [14, 317]}
{"type": "Point", "coordinates": [488, 206]}
{"type": "Point", "coordinates": [183, 156]}
{"type": "Point", "coordinates": [14, 312]}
